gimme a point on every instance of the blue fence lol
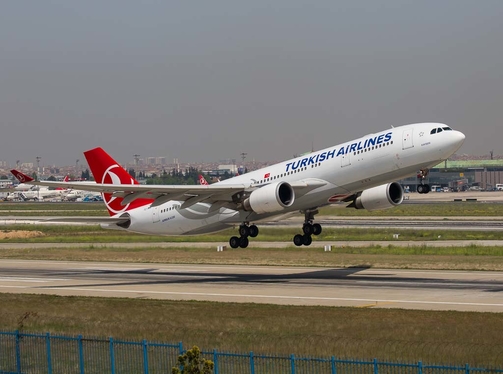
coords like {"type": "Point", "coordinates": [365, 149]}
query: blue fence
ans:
{"type": "Point", "coordinates": [45, 353]}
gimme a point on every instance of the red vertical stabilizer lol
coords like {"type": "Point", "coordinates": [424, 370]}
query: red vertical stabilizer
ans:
{"type": "Point", "coordinates": [108, 171]}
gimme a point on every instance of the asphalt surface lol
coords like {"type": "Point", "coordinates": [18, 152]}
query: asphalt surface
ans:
{"type": "Point", "coordinates": [364, 288]}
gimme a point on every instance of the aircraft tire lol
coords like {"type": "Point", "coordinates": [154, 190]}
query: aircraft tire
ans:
{"type": "Point", "coordinates": [307, 229]}
{"type": "Point", "coordinates": [317, 229]}
{"type": "Point", "coordinates": [298, 240]}
{"type": "Point", "coordinates": [420, 189]}
{"type": "Point", "coordinates": [244, 230]}
{"type": "Point", "coordinates": [307, 240]}
{"type": "Point", "coordinates": [234, 242]}
{"type": "Point", "coordinates": [243, 242]}
{"type": "Point", "coordinates": [253, 231]}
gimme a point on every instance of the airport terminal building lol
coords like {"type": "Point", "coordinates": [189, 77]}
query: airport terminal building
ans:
{"type": "Point", "coordinates": [462, 175]}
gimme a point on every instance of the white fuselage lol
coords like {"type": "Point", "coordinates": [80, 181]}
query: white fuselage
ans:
{"type": "Point", "coordinates": [346, 168]}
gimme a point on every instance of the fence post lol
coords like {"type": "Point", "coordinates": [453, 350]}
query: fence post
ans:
{"type": "Point", "coordinates": [180, 350]}
{"type": "Point", "coordinates": [376, 367]}
{"type": "Point", "coordinates": [48, 349]}
{"type": "Point", "coordinates": [215, 361]}
{"type": "Point", "coordinates": [334, 370]}
{"type": "Point", "coordinates": [419, 367]}
{"type": "Point", "coordinates": [145, 356]}
{"type": "Point", "coordinates": [81, 355]}
{"type": "Point", "coordinates": [467, 369]}
{"type": "Point", "coordinates": [18, 351]}
{"type": "Point", "coordinates": [292, 360]}
{"type": "Point", "coordinates": [252, 363]}
{"type": "Point", "coordinates": [112, 356]}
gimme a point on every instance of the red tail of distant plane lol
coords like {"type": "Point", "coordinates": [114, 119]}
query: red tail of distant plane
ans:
{"type": "Point", "coordinates": [202, 181]}
{"type": "Point", "coordinates": [21, 177]}
{"type": "Point", "coordinates": [107, 171]}
{"type": "Point", "coordinates": [66, 178]}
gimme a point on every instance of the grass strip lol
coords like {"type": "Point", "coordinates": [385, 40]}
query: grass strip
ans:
{"type": "Point", "coordinates": [93, 234]}
{"type": "Point", "coordinates": [438, 209]}
{"type": "Point", "coordinates": [448, 258]}
{"type": "Point", "coordinates": [394, 334]}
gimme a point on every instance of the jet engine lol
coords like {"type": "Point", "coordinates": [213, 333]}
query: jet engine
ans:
{"type": "Point", "coordinates": [271, 198]}
{"type": "Point", "coordinates": [380, 197]}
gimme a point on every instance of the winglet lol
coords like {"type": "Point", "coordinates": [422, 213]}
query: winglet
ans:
{"type": "Point", "coordinates": [22, 178]}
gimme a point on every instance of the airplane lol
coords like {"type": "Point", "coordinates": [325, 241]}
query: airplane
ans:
{"type": "Point", "coordinates": [362, 172]}
{"type": "Point", "coordinates": [202, 180]}
{"type": "Point", "coordinates": [41, 194]}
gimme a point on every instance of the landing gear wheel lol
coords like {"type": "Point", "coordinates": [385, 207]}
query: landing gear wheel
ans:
{"type": "Point", "coordinates": [253, 230]}
{"type": "Point", "coordinates": [317, 229]}
{"type": "Point", "coordinates": [421, 189]}
{"type": "Point", "coordinates": [307, 240]}
{"type": "Point", "coordinates": [428, 188]}
{"type": "Point", "coordinates": [298, 240]}
{"type": "Point", "coordinates": [234, 242]}
{"type": "Point", "coordinates": [243, 242]}
{"type": "Point", "coordinates": [244, 230]}
{"type": "Point", "coordinates": [307, 229]}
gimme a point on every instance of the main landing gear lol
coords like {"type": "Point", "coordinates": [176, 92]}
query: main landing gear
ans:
{"type": "Point", "coordinates": [245, 230]}
{"type": "Point", "coordinates": [422, 187]}
{"type": "Point", "coordinates": [308, 228]}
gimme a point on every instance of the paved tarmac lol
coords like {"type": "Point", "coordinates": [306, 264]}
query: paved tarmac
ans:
{"type": "Point", "coordinates": [364, 288]}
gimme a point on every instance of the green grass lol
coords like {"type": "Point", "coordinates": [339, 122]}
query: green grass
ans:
{"type": "Point", "coordinates": [453, 258]}
{"type": "Point", "coordinates": [394, 334]}
{"type": "Point", "coordinates": [93, 234]}
{"type": "Point", "coordinates": [438, 209]}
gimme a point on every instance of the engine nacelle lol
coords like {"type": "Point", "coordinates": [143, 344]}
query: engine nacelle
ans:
{"type": "Point", "coordinates": [380, 197]}
{"type": "Point", "coordinates": [271, 198]}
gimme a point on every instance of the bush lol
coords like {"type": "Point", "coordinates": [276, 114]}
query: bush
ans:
{"type": "Point", "coordinates": [192, 363]}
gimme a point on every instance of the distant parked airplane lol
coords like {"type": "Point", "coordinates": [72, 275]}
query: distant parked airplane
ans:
{"type": "Point", "coordinates": [360, 172]}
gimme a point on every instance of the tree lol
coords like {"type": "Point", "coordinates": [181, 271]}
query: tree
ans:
{"type": "Point", "coordinates": [192, 363]}
{"type": "Point", "coordinates": [85, 175]}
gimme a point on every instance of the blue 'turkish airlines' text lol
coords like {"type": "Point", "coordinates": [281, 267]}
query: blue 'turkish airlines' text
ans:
{"type": "Point", "coordinates": [354, 147]}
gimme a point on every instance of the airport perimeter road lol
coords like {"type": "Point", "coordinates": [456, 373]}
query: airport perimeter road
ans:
{"type": "Point", "coordinates": [364, 288]}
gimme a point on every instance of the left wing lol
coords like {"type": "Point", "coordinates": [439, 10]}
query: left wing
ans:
{"type": "Point", "coordinates": [229, 195]}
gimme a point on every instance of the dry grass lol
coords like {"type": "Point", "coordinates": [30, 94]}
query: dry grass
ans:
{"type": "Point", "coordinates": [407, 335]}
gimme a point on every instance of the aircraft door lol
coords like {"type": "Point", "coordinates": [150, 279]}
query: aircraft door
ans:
{"type": "Point", "coordinates": [407, 139]}
{"type": "Point", "coordinates": [155, 214]}
{"type": "Point", "coordinates": [345, 160]}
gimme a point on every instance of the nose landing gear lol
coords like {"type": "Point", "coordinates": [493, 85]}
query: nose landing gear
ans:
{"type": "Point", "coordinates": [422, 187]}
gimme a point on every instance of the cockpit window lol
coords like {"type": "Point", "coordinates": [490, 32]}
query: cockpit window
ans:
{"type": "Point", "coordinates": [439, 130]}
{"type": "Point", "coordinates": [434, 131]}
{"type": "Point", "coordinates": [447, 128]}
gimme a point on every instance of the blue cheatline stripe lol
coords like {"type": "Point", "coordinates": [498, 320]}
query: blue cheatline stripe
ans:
{"type": "Point", "coordinates": [128, 356]}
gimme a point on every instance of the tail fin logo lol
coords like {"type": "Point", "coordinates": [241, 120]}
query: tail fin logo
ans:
{"type": "Point", "coordinates": [202, 181]}
{"type": "Point", "coordinates": [20, 177]}
{"type": "Point", "coordinates": [111, 177]}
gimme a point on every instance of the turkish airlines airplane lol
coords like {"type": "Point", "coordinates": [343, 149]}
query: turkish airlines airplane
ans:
{"type": "Point", "coordinates": [361, 172]}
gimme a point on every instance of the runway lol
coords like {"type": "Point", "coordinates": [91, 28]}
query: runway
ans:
{"type": "Point", "coordinates": [363, 288]}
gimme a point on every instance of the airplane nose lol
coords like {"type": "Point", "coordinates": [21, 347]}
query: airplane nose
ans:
{"type": "Point", "coordinates": [457, 139]}
{"type": "Point", "coordinates": [461, 137]}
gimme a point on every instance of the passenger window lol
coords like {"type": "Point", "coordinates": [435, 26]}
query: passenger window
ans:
{"type": "Point", "coordinates": [434, 131]}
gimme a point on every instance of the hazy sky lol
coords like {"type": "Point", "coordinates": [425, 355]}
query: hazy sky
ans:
{"type": "Point", "coordinates": [207, 80]}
